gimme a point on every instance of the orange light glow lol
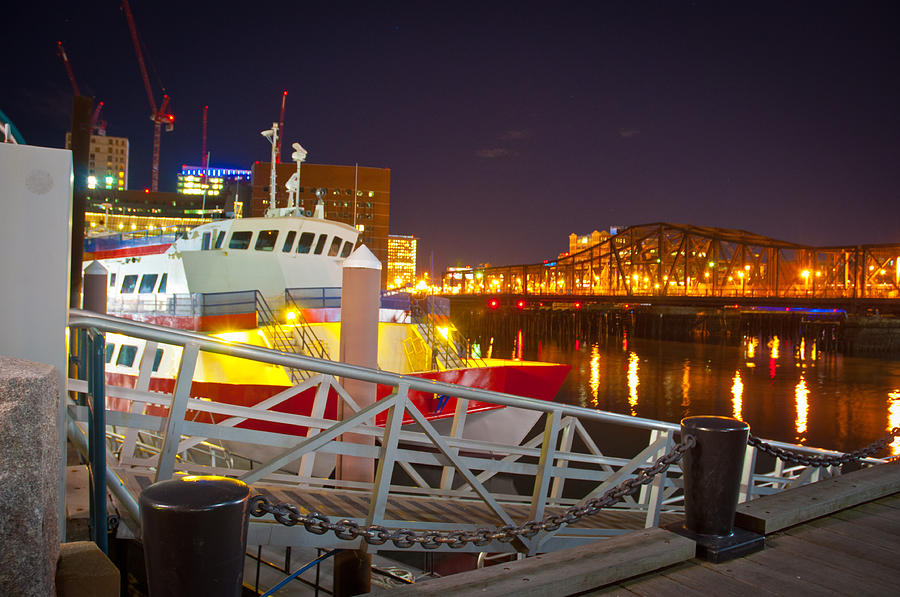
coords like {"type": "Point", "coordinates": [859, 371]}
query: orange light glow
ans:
{"type": "Point", "coordinates": [801, 393]}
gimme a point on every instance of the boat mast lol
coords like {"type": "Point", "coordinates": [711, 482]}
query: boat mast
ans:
{"type": "Point", "coordinates": [272, 136]}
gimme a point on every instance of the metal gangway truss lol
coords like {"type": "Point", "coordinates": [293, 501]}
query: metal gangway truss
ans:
{"type": "Point", "coordinates": [664, 259]}
{"type": "Point", "coordinates": [429, 475]}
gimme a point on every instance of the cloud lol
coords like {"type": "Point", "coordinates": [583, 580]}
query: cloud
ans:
{"type": "Point", "coordinates": [515, 135]}
{"type": "Point", "coordinates": [629, 133]}
{"type": "Point", "coordinates": [493, 152]}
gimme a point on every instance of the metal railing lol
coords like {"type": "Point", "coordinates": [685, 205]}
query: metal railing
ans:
{"type": "Point", "coordinates": [562, 465]}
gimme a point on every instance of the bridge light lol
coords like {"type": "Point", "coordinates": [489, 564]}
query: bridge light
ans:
{"type": "Point", "coordinates": [712, 264]}
{"type": "Point", "coordinates": [805, 273]}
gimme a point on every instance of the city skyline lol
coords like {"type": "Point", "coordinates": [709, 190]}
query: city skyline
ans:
{"type": "Point", "coordinates": [505, 132]}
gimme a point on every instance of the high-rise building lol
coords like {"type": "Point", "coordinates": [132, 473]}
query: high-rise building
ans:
{"type": "Point", "coordinates": [401, 261]}
{"type": "Point", "coordinates": [359, 196]}
{"type": "Point", "coordinates": [107, 163]}
{"type": "Point", "coordinates": [194, 180]}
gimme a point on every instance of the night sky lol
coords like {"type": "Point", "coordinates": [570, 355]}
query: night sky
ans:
{"type": "Point", "coordinates": [508, 125]}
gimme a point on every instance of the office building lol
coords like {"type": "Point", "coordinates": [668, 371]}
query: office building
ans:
{"type": "Point", "coordinates": [107, 162]}
{"type": "Point", "coordinates": [401, 261]}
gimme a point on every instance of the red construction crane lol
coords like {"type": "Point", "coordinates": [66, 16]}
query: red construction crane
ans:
{"type": "Point", "coordinates": [61, 52]}
{"type": "Point", "coordinates": [160, 116]}
{"type": "Point", "coordinates": [280, 130]}
{"type": "Point", "coordinates": [98, 127]}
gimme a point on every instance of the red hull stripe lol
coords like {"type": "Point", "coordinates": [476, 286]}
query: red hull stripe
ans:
{"type": "Point", "coordinates": [540, 382]}
{"type": "Point", "coordinates": [129, 252]}
{"type": "Point", "coordinates": [203, 323]}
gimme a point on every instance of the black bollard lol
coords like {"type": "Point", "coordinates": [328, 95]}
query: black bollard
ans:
{"type": "Point", "coordinates": [712, 479]}
{"type": "Point", "coordinates": [194, 530]}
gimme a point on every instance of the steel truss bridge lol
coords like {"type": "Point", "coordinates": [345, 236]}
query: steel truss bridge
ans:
{"type": "Point", "coordinates": [673, 260]}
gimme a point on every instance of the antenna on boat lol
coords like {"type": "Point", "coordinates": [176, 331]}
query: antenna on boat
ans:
{"type": "Point", "coordinates": [272, 136]}
{"type": "Point", "coordinates": [320, 205]}
{"type": "Point", "coordinates": [293, 185]}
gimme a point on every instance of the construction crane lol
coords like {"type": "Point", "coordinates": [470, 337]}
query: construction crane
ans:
{"type": "Point", "coordinates": [158, 116]}
{"type": "Point", "coordinates": [280, 129]}
{"type": "Point", "coordinates": [98, 127]}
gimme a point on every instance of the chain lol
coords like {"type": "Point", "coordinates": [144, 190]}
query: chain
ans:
{"type": "Point", "coordinates": [840, 459]}
{"type": "Point", "coordinates": [319, 524]}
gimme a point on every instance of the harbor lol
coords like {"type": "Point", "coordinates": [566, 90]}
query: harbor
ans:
{"type": "Point", "coordinates": [589, 299]}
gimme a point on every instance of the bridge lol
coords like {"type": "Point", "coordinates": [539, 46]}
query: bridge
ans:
{"type": "Point", "coordinates": [660, 261]}
{"type": "Point", "coordinates": [435, 488]}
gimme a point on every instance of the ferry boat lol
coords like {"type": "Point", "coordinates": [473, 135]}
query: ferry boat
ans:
{"type": "Point", "coordinates": [275, 281]}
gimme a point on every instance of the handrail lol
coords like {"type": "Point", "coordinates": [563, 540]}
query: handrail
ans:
{"type": "Point", "coordinates": [79, 318]}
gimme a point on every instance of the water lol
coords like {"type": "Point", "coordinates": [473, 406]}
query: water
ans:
{"type": "Point", "coordinates": [788, 393]}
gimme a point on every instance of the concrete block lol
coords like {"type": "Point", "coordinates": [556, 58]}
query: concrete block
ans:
{"type": "Point", "coordinates": [85, 571]}
{"type": "Point", "coordinates": [30, 461]}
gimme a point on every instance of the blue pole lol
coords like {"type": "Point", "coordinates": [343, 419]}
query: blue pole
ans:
{"type": "Point", "coordinates": [97, 439]}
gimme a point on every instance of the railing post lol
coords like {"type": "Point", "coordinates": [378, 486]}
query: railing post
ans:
{"type": "Point", "coordinates": [712, 479]}
{"type": "Point", "coordinates": [97, 440]}
{"type": "Point", "coordinates": [195, 535]}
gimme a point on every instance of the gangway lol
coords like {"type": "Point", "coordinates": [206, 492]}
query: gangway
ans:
{"type": "Point", "coordinates": [451, 481]}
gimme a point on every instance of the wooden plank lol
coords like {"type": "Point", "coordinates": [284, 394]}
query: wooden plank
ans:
{"type": "Point", "coordinates": [850, 539]}
{"type": "Point", "coordinates": [703, 580]}
{"type": "Point", "coordinates": [891, 501]}
{"type": "Point", "coordinates": [864, 516]}
{"type": "Point", "coordinates": [653, 585]}
{"type": "Point", "coordinates": [773, 573]}
{"type": "Point", "coordinates": [838, 569]}
{"type": "Point", "coordinates": [795, 506]}
{"type": "Point", "coordinates": [571, 571]}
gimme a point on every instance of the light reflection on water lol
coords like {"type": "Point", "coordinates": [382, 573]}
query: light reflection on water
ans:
{"type": "Point", "coordinates": [737, 390]}
{"type": "Point", "coordinates": [784, 392]}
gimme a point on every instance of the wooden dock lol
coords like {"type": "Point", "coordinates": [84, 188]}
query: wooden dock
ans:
{"type": "Point", "coordinates": [836, 537]}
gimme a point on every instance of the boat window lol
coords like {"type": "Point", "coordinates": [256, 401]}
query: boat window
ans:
{"type": "Point", "coordinates": [220, 239]}
{"type": "Point", "coordinates": [320, 244]}
{"type": "Point", "coordinates": [204, 243]}
{"type": "Point", "coordinates": [157, 359]}
{"type": "Point", "coordinates": [112, 279]}
{"type": "Point", "coordinates": [305, 242]}
{"type": "Point", "coordinates": [128, 283]}
{"type": "Point", "coordinates": [110, 349]}
{"type": "Point", "coordinates": [148, 283]}
{"type": "Point", "coordinates": [335, 246]}
{"type": "Point", "coordinates": [266, 240]}
{"type": "Point", "coordinates": [240, 240]}
{"type": "Point", "coordinates": [289, 241]}
{"type": "Point", "coordinates": [162, 283]}
{"type": "Point", "coordinates": [126, 355]}
{"type": "Point", "coordinates": [348, 246]}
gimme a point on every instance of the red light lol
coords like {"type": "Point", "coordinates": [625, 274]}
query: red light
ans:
{"type": "Point", "coordinates": [146, 190]}
{"type": "Point", "coordinates": [520, 304]}
{"type": "Point", "coordinates": [578, 305]}
{"type": "Point", "coordinates": [494, 303]}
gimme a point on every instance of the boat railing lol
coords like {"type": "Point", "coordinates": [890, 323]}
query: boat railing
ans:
{"type": "Point", "coordinates": [568, 457]}
{"type": "Point", "coordinates": [281, 339]}
{"type": "Point", "coordinates": [322, 297]}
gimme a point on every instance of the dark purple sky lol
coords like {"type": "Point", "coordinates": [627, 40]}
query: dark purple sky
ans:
{"type": "Point", "coordinates": [509, 125]}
